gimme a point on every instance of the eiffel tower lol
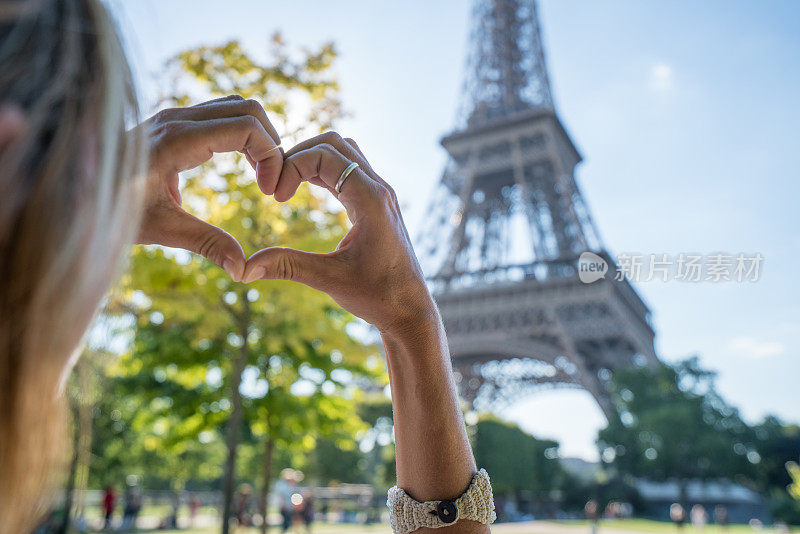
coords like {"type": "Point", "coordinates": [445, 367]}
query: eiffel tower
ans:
{"type": "Point", "coordinates": [506, 227]}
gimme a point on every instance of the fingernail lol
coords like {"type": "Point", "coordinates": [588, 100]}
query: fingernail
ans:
{"type": "Point", "coordinates": [230, 268]}
{"type": "Point", "coordinates": [256, 274]}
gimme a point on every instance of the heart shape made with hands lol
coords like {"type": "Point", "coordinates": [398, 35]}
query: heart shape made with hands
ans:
{"type": "Point", "coordinates": [373, 272]}
{"type": "Point", "coordinates": [184, 138]}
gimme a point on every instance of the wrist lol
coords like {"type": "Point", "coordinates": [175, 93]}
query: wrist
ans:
{"type": "Point", "coordinates": [418, 318]}
{"type": "Point", "coordinates": [417, 349]}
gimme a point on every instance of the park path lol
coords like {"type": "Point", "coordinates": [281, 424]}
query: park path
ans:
{"type": "Point", "coordinates": [546, 527]}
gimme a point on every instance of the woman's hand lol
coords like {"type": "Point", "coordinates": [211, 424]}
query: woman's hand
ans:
{"type": "Point", "coordinates": [183, 138]}
{"type": "Point", "coordinates": [373, 273]}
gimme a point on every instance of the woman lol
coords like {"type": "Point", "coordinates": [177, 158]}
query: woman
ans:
{"type": "Point", "coordinates": [77, 188]}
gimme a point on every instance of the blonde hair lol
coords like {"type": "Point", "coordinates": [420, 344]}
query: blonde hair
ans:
{"type": "Point", "coordinates": [70, 202]}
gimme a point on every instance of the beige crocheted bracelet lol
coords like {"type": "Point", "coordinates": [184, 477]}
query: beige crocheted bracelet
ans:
{"type": "Point", "coordinates": [477, 504]}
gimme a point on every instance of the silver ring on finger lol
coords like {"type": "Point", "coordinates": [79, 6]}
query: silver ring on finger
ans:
{"type": "Point", "coordinates": [345, 173]}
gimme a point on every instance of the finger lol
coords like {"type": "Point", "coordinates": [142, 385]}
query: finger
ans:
{"type": "Point", "coordinates": [234, 106]}
{"type": "Point", "coordinates": [187, 144]}
{"type": "Point", "coordinates": [230, 107]}
{"type": "Point", "coordinates": [347, 147]}
{"type": "Point", "coordinates": [380, 180]}
{"type": "Point", "coordinates": [320, 271]}
{"type": "Point", "coordinates": [325, 164]}
{"type": "Point", "coordinates": [337, 142]}
{"type": "Point", "coordinates": [183, 230]}
{"type": "Point", "coordinates": [352, 142]}
{"type": "Point", "coordinates": [221, 99]}
{"type": "Point", "coordinates": [253, 163]}
{"type": "Point", "coordinates": [367, 166]}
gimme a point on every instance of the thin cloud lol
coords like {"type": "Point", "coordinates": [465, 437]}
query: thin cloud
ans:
{"type": "Point", "coordinates": [661, 76]}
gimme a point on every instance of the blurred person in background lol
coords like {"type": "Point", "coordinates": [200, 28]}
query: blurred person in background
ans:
{"type": "Point", "coordinates": [698, 516]}
{"type": "Point", "coordinates": [194, 507]}
{"type": "Point", "coordinates": [80, 182]}
{"type": "Point", "coordinates": [307, 513]}
{"type": "Point", "coordinates": [721, 516]}
{"type": "Point", "coordinates": [133, 504]}
{"type": "Point", "coordinates": [243, 505]}
{"type": "Point", "coordinates": [284, 489]}
{"type": "Point", "coordinates": [109, 503]}
{"type": "Point", "coordinates": [677, 514]}
{"type": "Point", "coordinates": [592, 511]}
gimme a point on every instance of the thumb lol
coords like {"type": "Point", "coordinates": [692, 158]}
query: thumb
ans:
{"type": "Point", "coordinates": [319, 271]}
{"type": "Point", "coordinates": [177, 228]}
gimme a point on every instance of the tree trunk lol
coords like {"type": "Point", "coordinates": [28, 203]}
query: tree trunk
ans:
{"type": "Point", "coordinates": [234, 427]}
{"type": "Point", "coordinates": [81, 407]}
{"type": "Point", "coordinates": [232, 440]}
{"type": "Point", "coordinates": [683, 495]}
{"type": "Point", "coordinates": [69, 490]}
{"type": "Point", "coordinates": [235, 420]}
{"type": "Point", "coordinates": [269, 449]}
{"type": "Point", "coordinates": [86, 419]}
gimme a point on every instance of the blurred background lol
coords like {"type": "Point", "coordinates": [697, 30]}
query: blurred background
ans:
{"type": "Point", "coordinates": [661, 138]}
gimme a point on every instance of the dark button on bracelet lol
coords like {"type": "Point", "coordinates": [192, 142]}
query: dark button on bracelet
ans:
{"type": "Point", "coordinates": [447, 511]}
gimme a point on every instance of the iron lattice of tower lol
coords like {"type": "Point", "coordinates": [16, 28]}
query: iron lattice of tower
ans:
{"type": "Point", "coordinates": [506, 227]}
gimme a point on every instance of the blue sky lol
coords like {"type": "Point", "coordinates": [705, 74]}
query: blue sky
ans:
{"type": "Point", "coordinates": [687, 116]}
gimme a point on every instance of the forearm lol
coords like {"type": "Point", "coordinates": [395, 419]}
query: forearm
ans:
{"type": "Point", "coordinates": [374, 274]}
{"type": "Point", "coordinates": [434, 458]}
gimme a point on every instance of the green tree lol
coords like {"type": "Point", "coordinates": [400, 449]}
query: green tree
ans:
{"type": "Point", "coordinates": [776, 443]}
{"type": "Point", "coordinates": [776, 475]}
{"type": "Point", "coordinates": [672, 425]}
{"type": "Point", "coordinates": [794, 472]}
{"type": "Point", "coordinates": [83, 389]}
{"type": "Point", "coordinates": [785, 502]}
{"type": "Point", "coordinates": [369, 460]}
{"type": "Point", "coordinates": [517, 461]}
{"type": "Point", "coordinates": [267, 362]}
{"type": "Point", "coordinates": [281, 416]}
{"type": "Point", "coordinates": [376, 410]}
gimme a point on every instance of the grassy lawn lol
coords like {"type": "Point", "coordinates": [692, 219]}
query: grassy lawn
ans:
{"type": "Point", "coordinates": [317, 528]}
{"type": "Point", "coordinates": [94, 513]}
{"type": "Point", "coordinates": [536, 527]}
{"type": "Point", "coordinates": [646, 525]}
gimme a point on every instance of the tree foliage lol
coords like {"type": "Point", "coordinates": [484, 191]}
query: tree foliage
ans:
{"type": "Point", "coordinates": [673, 425]}
{"type": "Point", "coordinates": [778, 475]}
{"type": "Point", "coordinates": [516, 460]}
{"type": "Point", "coordinates": [272, 365]}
